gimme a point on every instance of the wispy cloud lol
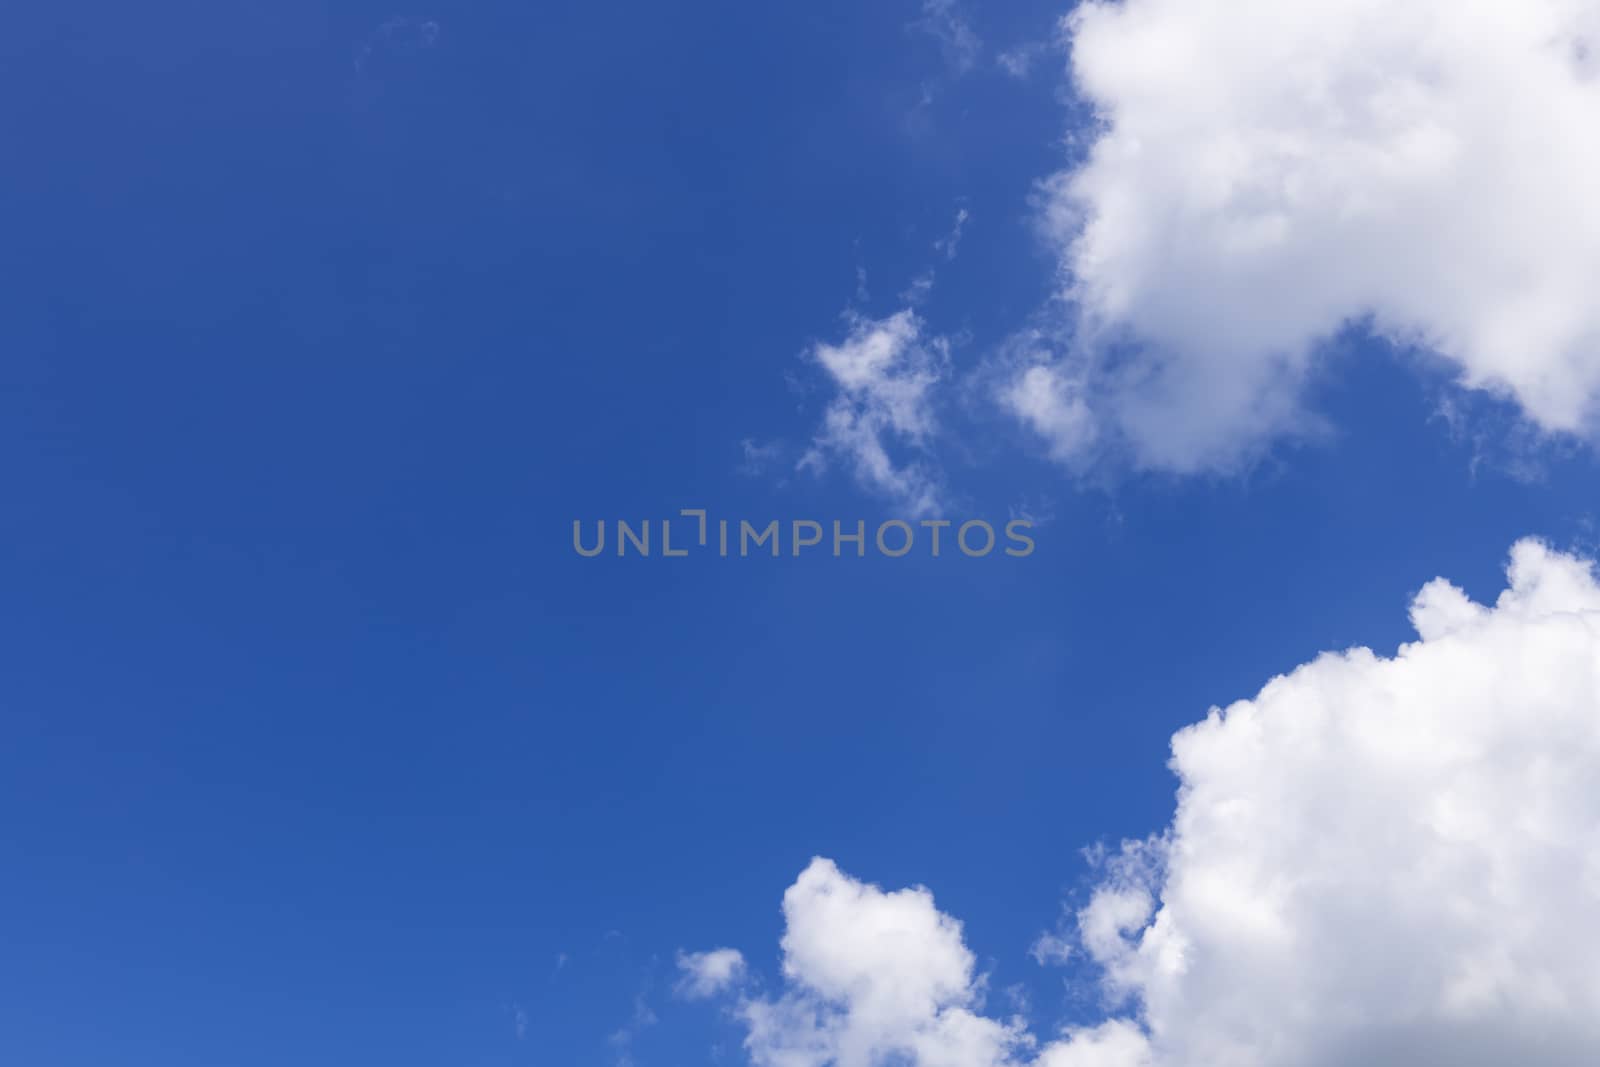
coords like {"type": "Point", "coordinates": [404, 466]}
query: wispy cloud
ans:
{"type": "Point", "coordinates": [622, 1039]}
{"type": "Point", "coordinates": [947, 23]}
{"type": "Point", "coordinates": [705, 974]}
{"type": "Point", "coordinates": [945, 248]}
{"type": "Point", "coordinates": [758, 457]}
{"type": "Point", "coordinates": [884, 373]}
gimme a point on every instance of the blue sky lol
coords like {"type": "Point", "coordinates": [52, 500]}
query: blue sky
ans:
{"type": "Point", "coordinates": [325, 323]}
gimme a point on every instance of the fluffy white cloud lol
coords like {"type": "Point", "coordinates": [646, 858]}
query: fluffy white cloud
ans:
{"type": "Point", "coordinates": [1377, 860]}
{"type": "Point", "coordinates": [873, 977]}
{"type": "Point", "coordinates": [1268, 173]}
{"type": "Point", "coordinates": [705, 974]}
{"type": "Point", "coordinates": [885, 371]}
{"type": "Point", "coordinates": [1386, 861]}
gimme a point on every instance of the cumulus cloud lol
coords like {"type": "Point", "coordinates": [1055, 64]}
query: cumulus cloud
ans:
{"type": "Point", "coordinates": [885, 371]}
{"type": "Point", "coordinates": [705, 974]}
{"type": "Point", "coordinates": [1386, 860]}
{"type": "Point", "coordinates": [1266, 175]}
{"type": "Point", "coordinates": [1376, 860]}
{"type": "Point", "coordinates": [872, 977]}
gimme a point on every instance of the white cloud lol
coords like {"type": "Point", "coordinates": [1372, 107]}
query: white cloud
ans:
{"type": "Point", "coordinates": [947, 247]}
{"type": "Point", "coordinates": [400, 37]}
{"type": "Point", "coordinates": [1050, 949]}
{"type": "Point", "coordinates": [872, 977]}
{"type": "Point", "coordinates": [705, 974]}
{"type": "Point", "coordinates": [1052, 405]}
{"type": "Point", "coordinates": [1385, 860]}
{"type": "Point", "coordinates": [1018, 62]}
{"type": "Point", "coordinates": [875, 977]}
{"type": "Point", "coordinates": [758, 456]}
{"type": "Point", "coordinates": [945, 21]}
{"type": "Point", "coordinates": [885, 372]}
{"type": "Point", "coordinates": [950, 243]}
{"type": "Point", "coordinates": [1270, 173]}
{"type": "Point", "coordinates": [1377, 860]}
{"type": "Point", "coordinates": [621, 1040]}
